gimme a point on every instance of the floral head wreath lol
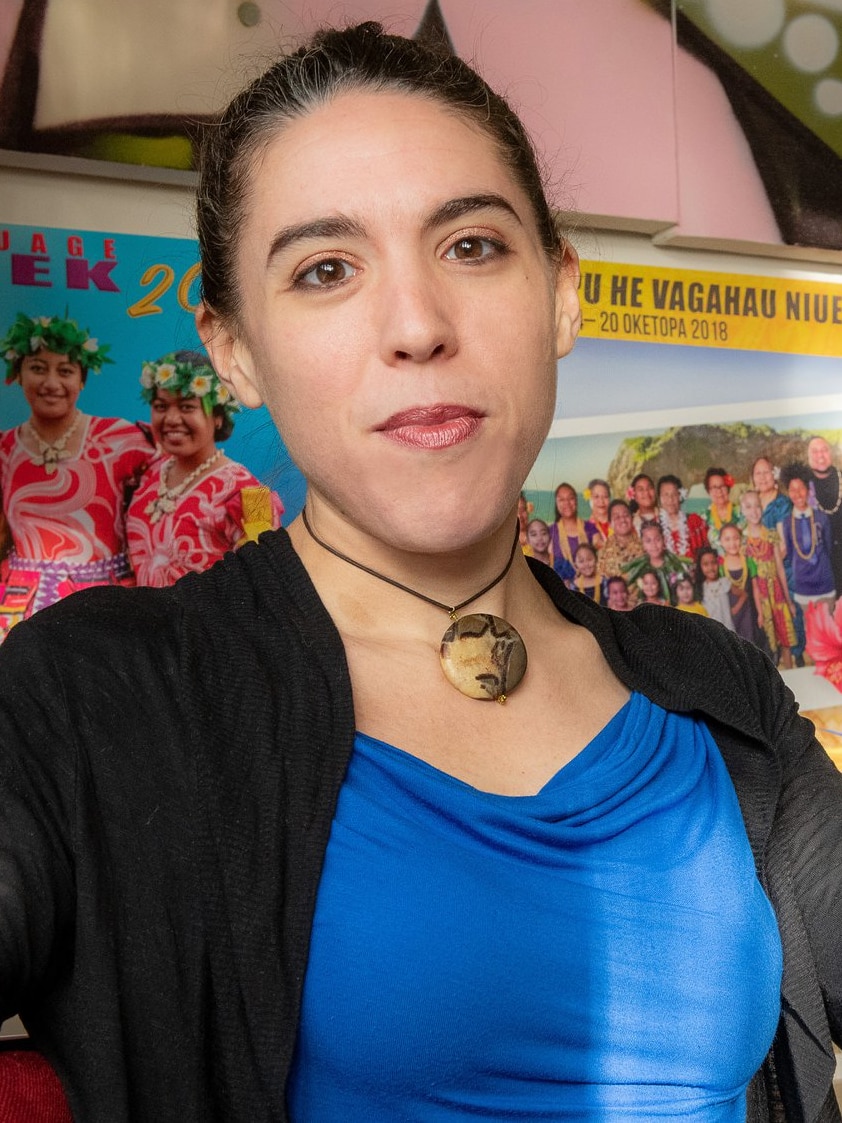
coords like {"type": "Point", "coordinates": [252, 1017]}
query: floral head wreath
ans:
{"type": "Point", "coordinates": [189, 379]}
{"type": "Point", "coordinates": [29, 335]}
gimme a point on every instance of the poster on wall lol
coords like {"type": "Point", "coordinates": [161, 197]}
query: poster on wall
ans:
{"type": "Point", "coordinates": [122, 458]}
{"type": "Point", "coordinates": [710, 404]}
{"type": "Point", "coordinates": [687, 393]}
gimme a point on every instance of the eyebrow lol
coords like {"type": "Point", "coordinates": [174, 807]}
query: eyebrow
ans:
{"type": "Point", "coordinates": [342, 226]}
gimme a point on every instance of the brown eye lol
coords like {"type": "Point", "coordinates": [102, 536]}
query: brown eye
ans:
{"type": "Point", "coordinates": [326, 273]}
{"type": "Point", "coordinates": [472, 248]}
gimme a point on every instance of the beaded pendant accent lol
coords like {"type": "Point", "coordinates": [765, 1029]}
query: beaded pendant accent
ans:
{"type": "Point", "coordinates": [483, 656]}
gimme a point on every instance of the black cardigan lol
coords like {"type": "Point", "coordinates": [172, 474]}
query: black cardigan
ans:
{"type": "Point", "coordinates": [169, 766]}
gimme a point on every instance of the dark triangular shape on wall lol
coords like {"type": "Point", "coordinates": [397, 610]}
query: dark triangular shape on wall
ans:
{"type": "Point", "coordinates": [432, 30]}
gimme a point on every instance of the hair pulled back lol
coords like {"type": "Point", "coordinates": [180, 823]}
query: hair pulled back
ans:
{"type": "Point", "coordinates": [334, 62]}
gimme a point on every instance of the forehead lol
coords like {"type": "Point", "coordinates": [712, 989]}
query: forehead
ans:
{"type": "Point", "coordinates": [366, 154]}
{"type": "Point", "coordinates": [168, 397]}
{"type": "Point", "coordinates": [43, 355]}
{"type": "Point", "coordinates": [818, 444]}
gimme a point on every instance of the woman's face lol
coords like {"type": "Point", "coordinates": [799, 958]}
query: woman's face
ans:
{"type": "Point", "coordinates": [566, 503]}
{"type": "Point", "coordinates": [644, 494]}
{"type": "Point", "coordinates": [670, 498]}
{"type": "Point", "coordinates": [762, 476]}
{"type": "Point", "coordinates": [718, 490]}
{"type": "Point", "coordinates": [180, 425]}
{"type": "Point", "coordinates": [600, 499]}
{"type": "Point", "coordinates": [621, 521]}
{"type": "Point", "coordinates": [51, 384]}
{"type": "Point", "coordinates": [401, 319]}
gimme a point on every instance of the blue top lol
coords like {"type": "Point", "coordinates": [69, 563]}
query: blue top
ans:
{"type": "Point", "coordinates": [602, 949]}
{"type": "Point", "coordinates": [809, 552]}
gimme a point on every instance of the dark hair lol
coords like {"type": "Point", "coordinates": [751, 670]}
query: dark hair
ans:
{"type": "Point", "coordinates": [334, 62]}
{"type": "Point", "coordinates": [642, 476]}
{"type": "Point", "coordinates": [199, 362]}
{"type": "Point", "coordinates": [569, 487]}
{"type": "Point", "coordinates": [795, 471]}
{"type": "Point", "coordinates": [609, 581]}
{"type": "Point", "coordinates": [698, 576]}
{"type": "Point", "coordinates": [667, 479]}
{"type": "Point", "coordinates": [755, 462]}
{"type": "Point", "coordinates": [713, 472]}
{"type": "Point", "coordinates": [17, 368]}
{"type": "Point", "coordinates": [650, 524]}
{"type": "Point", "coordinates": [584, 546]}
{"type": "Point", "coordinates": [617, 503]}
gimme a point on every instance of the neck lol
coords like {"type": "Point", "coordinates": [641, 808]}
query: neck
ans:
{"type": "Point", "coordinates": [184, 465]}
{"type": "Point", "coordinates": [53, 430]}
{"type": "Point", "coordinates": [365, 605]}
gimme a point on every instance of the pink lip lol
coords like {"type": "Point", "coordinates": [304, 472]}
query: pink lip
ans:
{"type": "Point", "coordinates": [432, 427]}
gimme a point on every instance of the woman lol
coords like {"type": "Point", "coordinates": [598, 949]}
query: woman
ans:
{"type": "Point", "coordinates": [776, 508]}
{"type": "Point", "coordinates": [194, 503]}
{"type": "Point", "coordinates": [598, 494]}
{"type": "Point", "coordinates": [320, 878]}
{"type": "Point", "coordinates": [764, 479]}
{"type": "Point", "coordinates": [569, 531]}
{"type": "Point", "coordinates": [775, 610]}
{"type": "Point", "coordinates": [64, 476]}
{"type": "Point", "coordinates": [721, 510]}
{"type": "Point", "coordinates": [683, 534]}
{"type": "Point", "coordinates": [622, 547]}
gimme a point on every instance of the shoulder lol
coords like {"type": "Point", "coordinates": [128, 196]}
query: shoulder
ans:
{"type": "Point", "coordinates": [682, 660]}
{"type": "Point", "coordinates": [118, 435]}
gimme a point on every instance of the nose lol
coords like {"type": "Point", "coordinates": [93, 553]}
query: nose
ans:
{"type": "Point", "coordinates": [416, 318]}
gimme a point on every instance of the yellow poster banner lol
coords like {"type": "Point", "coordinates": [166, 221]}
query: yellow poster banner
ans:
{"type": "Point", "coordinates": [650, 304]}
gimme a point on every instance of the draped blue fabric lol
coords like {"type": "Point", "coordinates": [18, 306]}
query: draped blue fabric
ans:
{"type": "Point", "coordinates": [601, 950]}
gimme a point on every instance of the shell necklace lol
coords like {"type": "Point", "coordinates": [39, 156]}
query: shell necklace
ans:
{"type": "Point", "coordinates": [794, 532]}
{"type": "Point", "coordinates": [51, 452]}
{"type": "Point", "coordinates": [164, 502]}
{"type": "Point", "coordinates": [482, 655]}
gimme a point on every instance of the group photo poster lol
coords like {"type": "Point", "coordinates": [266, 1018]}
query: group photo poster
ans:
{"type": "Point", "coordinates": [676, 371]}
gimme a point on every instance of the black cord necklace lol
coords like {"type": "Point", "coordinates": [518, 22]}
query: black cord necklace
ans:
{"type": "Point", "coordinates": [482, 655]}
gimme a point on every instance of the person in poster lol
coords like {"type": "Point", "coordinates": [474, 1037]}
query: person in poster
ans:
{"type": "Point", "coordinates": [826, 495]}
{"type": "Point", "coordinates": [64, 475]}
{"type": "Point", "coordinates": [194, 503]}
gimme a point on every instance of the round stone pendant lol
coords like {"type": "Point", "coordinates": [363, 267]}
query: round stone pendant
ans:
{"type": "Point", "coordinates": [483, 656]}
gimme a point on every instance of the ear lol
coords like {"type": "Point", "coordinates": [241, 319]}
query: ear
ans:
{"type": "Point", "coordinates": [230, 356]}
{"type": "Point", "coordinates": [568, 314]}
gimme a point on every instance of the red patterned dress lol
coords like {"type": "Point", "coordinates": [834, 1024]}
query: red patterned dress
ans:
{"type": "Point", "coordinates": [208, 520]}
{"type": "Point", "coordinates": [67, 526]}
